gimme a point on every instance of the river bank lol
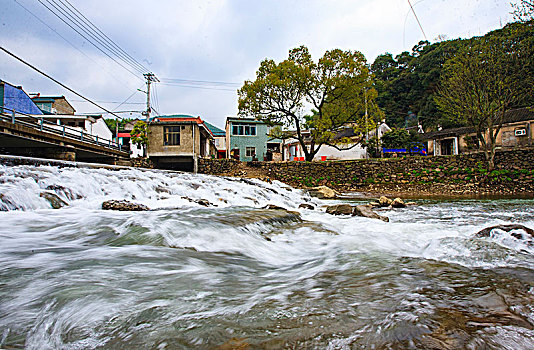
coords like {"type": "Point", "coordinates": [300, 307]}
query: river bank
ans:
{"type": "Point", "coordinates": [456, 176]}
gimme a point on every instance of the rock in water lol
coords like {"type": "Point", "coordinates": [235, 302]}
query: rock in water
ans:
{"type": "Point", "coordinates": [339, 209]}
{"type": "Point", "coordinates": [365, 211]}
{"type": "Point", "coordinates": [306, 206]}
{"type": "Point", "coordinates": [323, 192]}
{"type": "Point", "coordinates": [384, 201]}
{"type": "Point", "coordinates": [274, 207]}
{"type": "Point", "coordinates": [53, 199]}
{"type": "Point", "coordinates": [398, 203]}
{"type": "Point", "coordinates": [507, 228]}
{"type": "Point", "coordinates": [123, 205]}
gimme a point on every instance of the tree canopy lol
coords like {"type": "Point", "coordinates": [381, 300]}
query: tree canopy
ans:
{"type": "Point", "coordinates": [312, 100]}
{"type": "Point", "coordinates": [139, 134]}
{"type": "Point", "coordinates": [408, 82]}
{"type": "Point", "coordinates": [484, 80]}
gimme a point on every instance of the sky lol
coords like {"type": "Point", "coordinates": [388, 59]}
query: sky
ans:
{"type": "Point", "coordinates": [220, 41]}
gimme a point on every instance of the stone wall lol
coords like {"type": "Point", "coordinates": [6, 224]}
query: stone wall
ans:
{"type": "Point", "coordinates": [142, 163]}
{"type": "Point", "coordinates": [218, 166]}
{"type": "Point", "coordinates": [448, 175]}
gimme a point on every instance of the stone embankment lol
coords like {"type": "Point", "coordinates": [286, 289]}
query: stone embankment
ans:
{"type": "Point", "coordinates": [462, 175]}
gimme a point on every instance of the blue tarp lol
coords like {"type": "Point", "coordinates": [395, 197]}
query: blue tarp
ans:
{"type": "Point", "coordinates": [15, 98]}
{"type": "Point", "coordinates": [418, 150]}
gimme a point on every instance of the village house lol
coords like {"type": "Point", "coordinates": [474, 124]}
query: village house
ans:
{"type": "Point", "coordinates": [53, 104]}
{"type": "Point", "coordinates": [292, 150]}
{"type": "Point", "coordinates": [248, 139]}
{"type": "Point", "coordinates": [56, 112]}
{"type": "Point", "coordinates": [517, 131]}
{"type": "Point", "coordinates": [220, 140]}
{"type": "Point", "coordinates": [177, 141]}
{"type": "Point", "coordinates": [124, 138]}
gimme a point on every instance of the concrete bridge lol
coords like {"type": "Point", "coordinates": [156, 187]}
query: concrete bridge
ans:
{"type": "Point", "coordinates": [26, 135]}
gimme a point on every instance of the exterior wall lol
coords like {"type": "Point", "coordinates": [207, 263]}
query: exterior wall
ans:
{"type": "Point", "coordinates": [62, 106]}
{"type": "Point", "coordinates": [330, 152]}
{"type": "Point", "coordinates": [241, 142]}
{"type": "Point", "coordinates": [15, 98]}
{"type": "Point", "coordinates": [100, 129]}
{"type": "Point", "coordinates": [187, 146]}
{"type": "Point", "coordinates": [507, 138]}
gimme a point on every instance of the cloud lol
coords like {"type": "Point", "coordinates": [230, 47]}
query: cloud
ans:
{"type": "Point", "coordinates": [217, 40]}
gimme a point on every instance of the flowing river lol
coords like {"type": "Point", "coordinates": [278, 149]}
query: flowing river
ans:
{"type": "Point", "coordinates": [235, 276]}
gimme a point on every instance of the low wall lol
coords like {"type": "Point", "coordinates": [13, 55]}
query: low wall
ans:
{"type": "Point", "coordinates": [218, 166]}
{"type": "Point", "coordinates": [449, 175]}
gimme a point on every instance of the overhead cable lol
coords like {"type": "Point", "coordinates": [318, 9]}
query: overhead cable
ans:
{"type": "Point", "coordinates": [56, 81]}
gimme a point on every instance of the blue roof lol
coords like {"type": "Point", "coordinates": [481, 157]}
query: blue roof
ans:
{"type": "Point", "coordinates": [215, 130]}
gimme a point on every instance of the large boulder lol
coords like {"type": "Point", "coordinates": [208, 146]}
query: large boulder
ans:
{"type": "Point", "coordinates": [123, 205]}
{"type": "Point", "coordinates": [398, 203]}
{"type": "Point", "coordinates": [323, 192]}
{"type": "Point", "coordinates": [365, 211]}
{"type": "Point", "coordinates": [339, 209]}
{"type": "Point", "coordinates": [384, 201]}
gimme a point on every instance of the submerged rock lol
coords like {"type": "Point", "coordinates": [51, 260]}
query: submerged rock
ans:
{"type": "Point", "coordinates": [123, 205]}
{"type": "Point", "coordinates": [506, 228]}
{"type": "Point", "coordinates": [339, 209]}
{"type": "Point", "coordinates": [365, 211]}
{"type": "Point", "coordinates": [65, 191]}
{"type": "Point", "coordinates": [323, 192]}
{"type": "Point", "coordinates": [53, 199]}
{"type": "Point", "coordinates": [306, 206]}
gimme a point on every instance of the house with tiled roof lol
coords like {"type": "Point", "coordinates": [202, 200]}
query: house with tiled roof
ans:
{"type": "Point", "coordinates": [220, 139]}
{"type": "Point", "coordinates": [177, 141]}
{"type": "Point", "coordinates": [516, 132]}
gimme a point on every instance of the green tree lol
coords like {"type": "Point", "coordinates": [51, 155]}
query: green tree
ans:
{"type": "Point", "coordinates": [338, 88]}
{"type": "Point", "coordinates": [481, 83]}
{"type": "Point", "coordinates": [139, 135]}
{"type": "Point", "coordinates": [401, 138]}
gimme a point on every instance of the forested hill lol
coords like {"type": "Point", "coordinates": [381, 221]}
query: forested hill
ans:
{"type": "Point", "coordinates": [406, 83]}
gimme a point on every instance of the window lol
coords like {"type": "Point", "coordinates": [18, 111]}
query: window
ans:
{"type": "Point", "coordinates": [247, 130]}
{"type": "Point", "coordinates": [250, 152]}
{"type": "Point", "coordinates": [171, 135]}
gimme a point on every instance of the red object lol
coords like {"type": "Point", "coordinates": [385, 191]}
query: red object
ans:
{"type": "Point", "coordinates": [295, 158]}
{"type": "Point", "coordinates": [301, 159]}
{"type": "Point", "coordinates": [323, 158]}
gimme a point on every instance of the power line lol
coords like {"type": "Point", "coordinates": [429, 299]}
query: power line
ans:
{"type": "Point", "coordinates": [114, 102]}
{"type": "Point", "coordinates": [197, 87]}
{"type": "Point", "coordinates": [420, 26]}
{"type": "Point", "coordinates": [198, 82]}
{"type": "Point", "coordinates": [85, 37]}
{"type": "Point", "coordinates": [56, 81]}
{"type": "Point", "coordinates": [62, 37]}
{"type": "Point", "coordinates": [123, 54]}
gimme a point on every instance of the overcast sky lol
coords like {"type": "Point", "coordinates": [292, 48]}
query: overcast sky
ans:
{"type": "Point", "coordinates": [222, 41]}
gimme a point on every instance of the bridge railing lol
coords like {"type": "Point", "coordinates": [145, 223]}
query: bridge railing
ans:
{"type": "Point", "coordinates": [40, 123]}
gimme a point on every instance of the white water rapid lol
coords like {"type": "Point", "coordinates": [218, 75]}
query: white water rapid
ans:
{"type": "Point", "coordinates": [236, 275]}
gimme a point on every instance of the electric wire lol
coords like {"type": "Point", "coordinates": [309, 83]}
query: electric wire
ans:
{"type": "Point", "coordinates": [420, 26]}
{"type": "Point", "coordinates": [57, 82]}
{"type": "Point", "coordinates": [90, 41]}
{"type": "Point", "coordinates": [76, 20]}
{"type": "Point", "coordinates": [66, 40]}
{"type": "Point", "coordinates": [102, 35]}
{"type": "Point", "coordinates": [197, 87]}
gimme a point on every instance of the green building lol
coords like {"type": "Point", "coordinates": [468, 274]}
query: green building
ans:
{"type": "Point", "coordinates": [247, 139]}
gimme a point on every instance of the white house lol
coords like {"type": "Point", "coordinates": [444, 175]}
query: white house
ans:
{"type": "Point", "coordinates": [292, 148]}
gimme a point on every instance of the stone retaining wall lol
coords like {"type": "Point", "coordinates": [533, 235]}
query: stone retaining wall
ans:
{"type": "Point", "coordinates": [218, 166]}
{"type": "Point", "coordinates": [448, 175]}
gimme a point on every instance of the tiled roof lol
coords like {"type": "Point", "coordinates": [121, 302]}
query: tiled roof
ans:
{"type": "Point", "coordinates": [215, 130]}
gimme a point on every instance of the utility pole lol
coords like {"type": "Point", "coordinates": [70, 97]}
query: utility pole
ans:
{"type": "Point", "coordinates": [150, 78]}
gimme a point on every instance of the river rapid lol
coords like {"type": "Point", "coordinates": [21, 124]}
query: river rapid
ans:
{"type": "Point", "coordinates": [234, 275]}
